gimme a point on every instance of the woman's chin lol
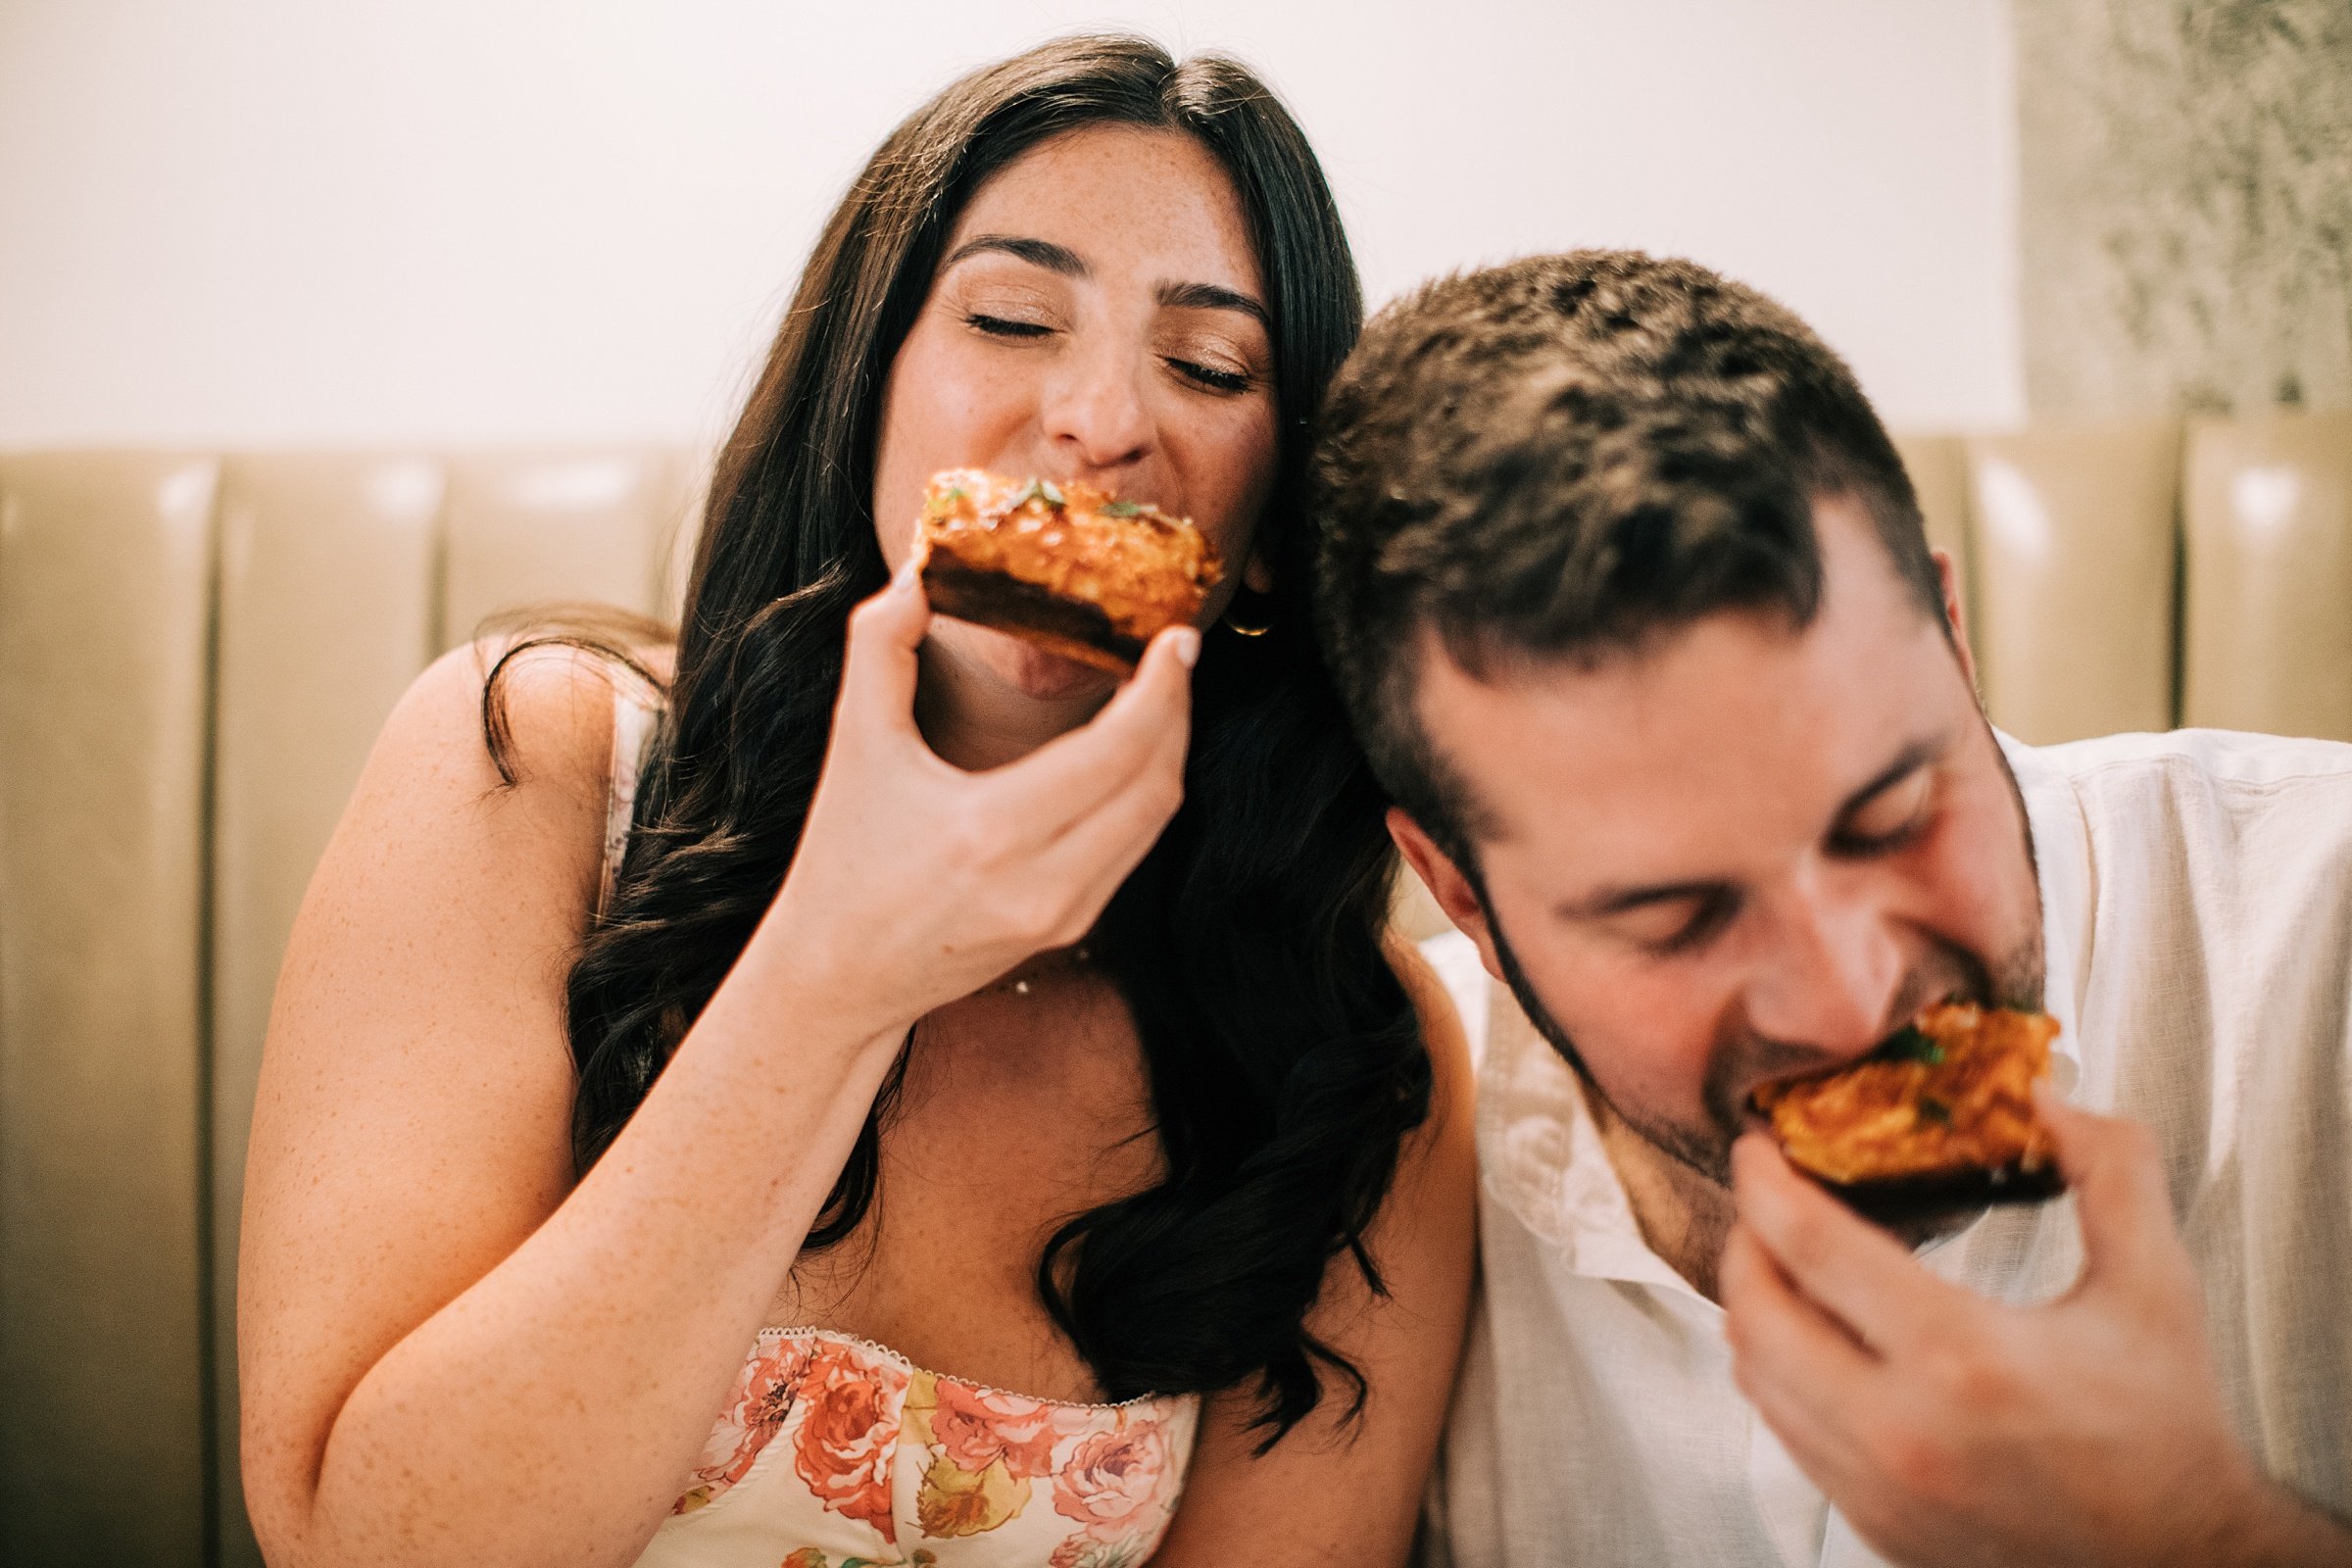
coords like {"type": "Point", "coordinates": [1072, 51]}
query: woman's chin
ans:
{"type": "Point", "coordinates": [1050, 677]}
{"type": "Point", "coordinates": [1025, 667]}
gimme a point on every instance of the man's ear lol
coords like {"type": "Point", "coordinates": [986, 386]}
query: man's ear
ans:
{"type": "Point", "coordinates": [1446, 884]}
{"type": "Point", "coordinates": [1956, 611]}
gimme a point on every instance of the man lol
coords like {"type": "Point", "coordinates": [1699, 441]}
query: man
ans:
{"type": "Point", "coordinates": [1629, 595]}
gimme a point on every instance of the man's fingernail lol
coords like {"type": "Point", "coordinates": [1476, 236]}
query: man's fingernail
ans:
{"type": "Point", "coordinates": [1187, 646]}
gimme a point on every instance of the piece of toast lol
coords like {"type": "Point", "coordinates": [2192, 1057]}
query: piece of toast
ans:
{"type": "Point", "coordinates": [1937, 1119]}
{"type": "Point", "coordinates": [1068, 568]}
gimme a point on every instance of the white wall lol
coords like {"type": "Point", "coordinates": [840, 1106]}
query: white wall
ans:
{"type": "Point", "coordinates": [289, 222]}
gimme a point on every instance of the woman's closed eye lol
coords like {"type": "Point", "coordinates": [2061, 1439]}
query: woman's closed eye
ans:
{"type": "Point", "coordinates": [1006, 325]}
{"type": "Point", "coordinates": [1215, 378]}
{"type": "Point", "coordinates": [1211, 358]}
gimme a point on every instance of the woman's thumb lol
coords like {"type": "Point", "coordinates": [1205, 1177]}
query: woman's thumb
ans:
{"type": "Point", "coordinates": [878, 670]}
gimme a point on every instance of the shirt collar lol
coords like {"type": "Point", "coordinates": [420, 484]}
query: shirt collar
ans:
{"type": "Point", "coordinates": [1543, 1159]}
{"type": "Point", "coordinates": [1541, 1150]}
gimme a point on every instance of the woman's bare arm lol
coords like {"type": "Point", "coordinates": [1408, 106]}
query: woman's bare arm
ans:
{"type": "Point", "coordinates": [445, 1359]}
{"type": "Point", "coordinates": [1337, 1493]}
{"type": "Point", "coordinates": [448, 1353]}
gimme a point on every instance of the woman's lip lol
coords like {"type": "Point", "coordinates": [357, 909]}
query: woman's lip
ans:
{"type": "Point", "coordinates": [1141, 495]}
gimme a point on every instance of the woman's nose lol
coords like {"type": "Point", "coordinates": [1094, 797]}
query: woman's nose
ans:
{"type": "Point", "coordinates": [1094, 413]}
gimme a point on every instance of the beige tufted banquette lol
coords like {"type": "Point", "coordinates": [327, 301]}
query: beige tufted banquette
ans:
{"type": "Point", "coordinates": [196, 652]}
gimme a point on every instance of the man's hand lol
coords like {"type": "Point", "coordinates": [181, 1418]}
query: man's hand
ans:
{"type": "Point", "coordinates": [1955, 1430]}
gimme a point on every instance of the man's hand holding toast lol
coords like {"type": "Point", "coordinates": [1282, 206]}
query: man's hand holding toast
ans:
{"type": "Point", "coordinates": [1955, 1430]}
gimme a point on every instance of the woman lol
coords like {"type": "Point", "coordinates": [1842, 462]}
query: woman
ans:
{"type": "Point", "coordinates": [921, 1047]}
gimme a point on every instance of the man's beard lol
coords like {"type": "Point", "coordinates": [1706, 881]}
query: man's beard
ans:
{"type": "Point", "coordinates": [1735, 1065]}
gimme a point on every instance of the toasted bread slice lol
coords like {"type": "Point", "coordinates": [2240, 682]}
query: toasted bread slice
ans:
{"type": "Point", "coordinates": [1067, 567]}
{"type": "Point", "coordinates": [1939, 1118]}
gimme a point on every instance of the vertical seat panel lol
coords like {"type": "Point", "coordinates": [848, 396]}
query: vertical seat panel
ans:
{"type": "Point", "coordinates": [2267, 619]}
{"type": "Point", "coordinates": [2074, 543]}
{"type": "Point", "coordinates": [327, 568]}
{"type": "Point", "coordinates": [533, 529]}
{"type": "Point", "coordinates": [105, 621]}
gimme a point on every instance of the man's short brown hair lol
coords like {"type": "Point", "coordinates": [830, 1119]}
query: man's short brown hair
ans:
{"type": "Point", "coordinates": [1565, 456]}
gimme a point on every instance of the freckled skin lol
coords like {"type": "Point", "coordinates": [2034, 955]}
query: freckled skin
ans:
{"type": "Point", "coordinates": [1094, 399]}
{"type": "Point", "coordinates": [437, 1319]}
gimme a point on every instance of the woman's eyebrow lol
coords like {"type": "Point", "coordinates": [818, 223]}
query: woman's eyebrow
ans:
{"type": "Point", "coordinates": [1069, 263]}
{"type": "Point", "coordinates": [1037, 251]}
{"type": "Point", "coordinates": [1211, 297]}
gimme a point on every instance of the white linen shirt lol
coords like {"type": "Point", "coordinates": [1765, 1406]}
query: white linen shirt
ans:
{"type": "Point", "coordinates": [2197, 894]}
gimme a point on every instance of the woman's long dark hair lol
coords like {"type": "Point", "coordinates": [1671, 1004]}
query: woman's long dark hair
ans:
{"type": "Point", "coordinates": [1284, 1063]}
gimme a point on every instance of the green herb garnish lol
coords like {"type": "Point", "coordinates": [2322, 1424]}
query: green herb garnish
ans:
{"type": "Point", "coordinates": [954, 493]}
{"type": "Point", "coordinates": [1123, 508]}
{"type": "Point", "coordinates": [1910, 1044]}
{"type": "Point", "coordinates": [1935, 1111]}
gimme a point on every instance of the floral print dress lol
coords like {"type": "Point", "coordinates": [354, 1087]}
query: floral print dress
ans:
{"type": "Point", "coordinates": [835, 1452]}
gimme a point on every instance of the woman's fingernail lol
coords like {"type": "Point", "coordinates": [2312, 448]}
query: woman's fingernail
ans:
{"type": "Point", "coordinates": [1187, 646]}
{"type": "Point", "coordinates": [903, 579]}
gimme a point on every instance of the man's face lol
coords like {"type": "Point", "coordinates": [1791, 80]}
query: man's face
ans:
{"type": "Point", "coordinates": [1742, 851]}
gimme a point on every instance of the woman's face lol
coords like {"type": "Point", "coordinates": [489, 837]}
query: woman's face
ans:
{"type": "Point", "coordinates": [1099, 317]}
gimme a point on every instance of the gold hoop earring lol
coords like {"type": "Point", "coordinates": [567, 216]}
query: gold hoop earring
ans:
{"type": "Point", "coordinates": [1240, 627]}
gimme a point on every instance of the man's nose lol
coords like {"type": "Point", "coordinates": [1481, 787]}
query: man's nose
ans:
{"type": "Point", "coordinates": [1094, 413]}
{"type": "Point", "coordinates": [1831, 976]}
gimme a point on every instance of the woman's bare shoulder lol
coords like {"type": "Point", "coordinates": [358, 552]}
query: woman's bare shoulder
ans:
{"type": "Point", "coordinates": [533, 722]}
{"type": "Point", "coordinates": [482, 804]}
{"type": "Point", "coordinates": [450, 832]}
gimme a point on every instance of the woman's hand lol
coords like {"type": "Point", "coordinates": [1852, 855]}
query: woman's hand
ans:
{"type": "Point", "coordinates": [916, 882]}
